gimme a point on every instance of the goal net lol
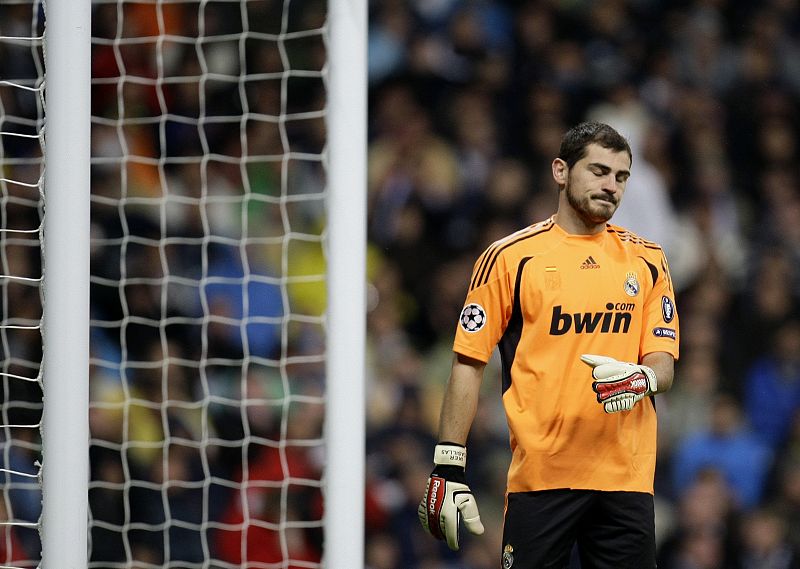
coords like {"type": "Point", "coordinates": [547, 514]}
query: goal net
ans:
{"type": "Point", "coordinates": [209, 238]}
{"type": "Point", "coordinates": [207, 283]}
{"type": "Point", "coordinates": [21, 174]}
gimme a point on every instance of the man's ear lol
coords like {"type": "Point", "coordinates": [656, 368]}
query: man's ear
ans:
{"type": "Point", "coordinates": [560, 172]}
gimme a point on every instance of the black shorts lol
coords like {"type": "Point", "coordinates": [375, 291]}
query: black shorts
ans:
{"type": "Point", "coordinates": [612, 530]}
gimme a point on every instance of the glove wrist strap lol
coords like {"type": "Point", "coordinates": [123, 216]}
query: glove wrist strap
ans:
{"type": "Point", "coordinates": [652, 380]}
{"type": "Point", "coordinates": [448, 454]}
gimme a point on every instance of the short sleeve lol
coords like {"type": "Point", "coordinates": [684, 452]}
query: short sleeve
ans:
{"type": "Point", "coordinates": [486, 310]}
{"type": "Point", "coordinates": [660, 332]}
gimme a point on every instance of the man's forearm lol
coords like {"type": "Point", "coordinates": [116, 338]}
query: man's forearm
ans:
{"type": "Point", "coordinates": [460, 400]}
{"type": "Point", "coordinates": [663, 364]}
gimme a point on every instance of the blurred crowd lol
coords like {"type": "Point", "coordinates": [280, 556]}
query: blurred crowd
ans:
{"type": "Point", "coordinates": [208, 332]}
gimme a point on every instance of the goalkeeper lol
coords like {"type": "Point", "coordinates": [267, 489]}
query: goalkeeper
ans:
{"type": "Point", "coordinates": [583, 315]}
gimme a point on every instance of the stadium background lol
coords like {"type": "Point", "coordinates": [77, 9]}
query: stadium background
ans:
{"type": "Point", "coordinates": [468, 100]}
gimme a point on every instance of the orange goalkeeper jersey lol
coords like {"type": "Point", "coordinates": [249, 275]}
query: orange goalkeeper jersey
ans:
{"type": "Point", "coordinates": [544, 297]}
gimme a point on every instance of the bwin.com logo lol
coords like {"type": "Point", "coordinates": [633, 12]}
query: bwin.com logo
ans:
{"type": "Point", "coordinates": [615, 320]}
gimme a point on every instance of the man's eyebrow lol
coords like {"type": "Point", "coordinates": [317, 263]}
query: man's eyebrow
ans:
{"type": "Point", "coordinates": [606, 169]}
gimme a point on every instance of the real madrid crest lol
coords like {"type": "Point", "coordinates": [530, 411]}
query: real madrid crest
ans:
{"type": "Point", "coordinates": [631, 285]}
{"type": "Point", "coordinates": [508, 556]}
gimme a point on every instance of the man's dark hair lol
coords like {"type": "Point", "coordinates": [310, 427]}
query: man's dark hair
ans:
{"type": "Point", "coordinates": [576, 139]}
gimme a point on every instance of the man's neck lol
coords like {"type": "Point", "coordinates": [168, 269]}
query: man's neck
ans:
{"type": "Point", "coordinates": [575, 225]}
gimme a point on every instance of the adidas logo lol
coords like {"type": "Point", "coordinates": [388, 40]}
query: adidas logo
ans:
{"type": "Point", "coordinates": [590, 263]}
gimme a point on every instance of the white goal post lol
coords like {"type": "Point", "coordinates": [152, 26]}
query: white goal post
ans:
{"type": "Point", "coordinates": [69, 479]}
{"type": "Point", "coordinates": [65, 327]}
{"type": "Point", "coordinates": [347, 167]}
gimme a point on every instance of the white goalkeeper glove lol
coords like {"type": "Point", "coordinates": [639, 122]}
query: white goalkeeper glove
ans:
{"type": "Point", "coordinates": [620, 385]}
{"type": "Point", "coordinates": [448, 500]}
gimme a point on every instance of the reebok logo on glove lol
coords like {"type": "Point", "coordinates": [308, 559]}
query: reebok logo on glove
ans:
{"type": "Point", "coordinates": [435, 482]}
{"type": "Point", "coordinates": [434, 502]}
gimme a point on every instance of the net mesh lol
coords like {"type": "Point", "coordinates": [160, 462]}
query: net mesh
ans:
{"type": "Point", "coordinates": [21, 174]}
{"type": "Point", "coordinates": [207, 286]}
{"type": "Point", "coordinates": [207, 283]}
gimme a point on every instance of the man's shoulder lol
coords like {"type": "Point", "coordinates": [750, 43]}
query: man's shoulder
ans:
{"type": "Point", "coordinates": [506, 253]}
{"type": "Point", "coordinates": [525, 241]}
{"type": "Point", "coordinates": [628, 238]}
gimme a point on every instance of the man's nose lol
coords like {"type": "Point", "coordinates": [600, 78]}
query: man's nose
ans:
{"type": "Point", "coordinates": [610, 184]}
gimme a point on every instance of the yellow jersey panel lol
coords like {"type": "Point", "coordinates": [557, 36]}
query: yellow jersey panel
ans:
{"type": "Point", "coordinates": [543, 297]}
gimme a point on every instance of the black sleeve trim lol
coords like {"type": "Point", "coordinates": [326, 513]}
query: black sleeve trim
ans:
{"type": "Point", "coordinates": [653, 269]}
{"type": "Point", "coordinates": [511, 337]}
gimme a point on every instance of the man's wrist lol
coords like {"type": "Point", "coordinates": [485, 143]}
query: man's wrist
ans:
{"type": "Point", "coordinates": [450, 460]}
{"type": "Point", "coordinates": [450, 454]}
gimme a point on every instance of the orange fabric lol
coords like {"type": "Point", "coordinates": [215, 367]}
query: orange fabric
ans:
{"type": "Point", "coordinates": [608, 294]}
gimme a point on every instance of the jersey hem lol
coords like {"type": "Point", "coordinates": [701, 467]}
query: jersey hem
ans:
{"type": "Point", "coordinates": [472, 353]}
{"type": "Point", "coordinates": [650, 491]}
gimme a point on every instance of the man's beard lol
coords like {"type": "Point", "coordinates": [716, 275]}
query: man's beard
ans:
{"type": "Point", "coordinates": [583, 205]}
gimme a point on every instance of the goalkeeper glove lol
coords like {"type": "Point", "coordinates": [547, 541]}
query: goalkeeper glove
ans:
{"type": "Point", "coordinates": [447, 498]}
{"type": "Point", "coordinates": [620, 385]}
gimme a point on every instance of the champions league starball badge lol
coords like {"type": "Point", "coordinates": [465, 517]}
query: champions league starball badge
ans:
{"type": "Point", "coordinates": [667, 309]}
{"type": "Point", "coordinates": [473, 317]}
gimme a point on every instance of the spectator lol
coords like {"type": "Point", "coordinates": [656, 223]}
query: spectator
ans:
{"type": "Point", "coordinates": [764, 542]}
{"type": "Point", "coordinates": [728, 447]}
{"type": "Point", "coordinates": [772, 388]}
{"type": "Point", "coordinates": [704, 534]}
